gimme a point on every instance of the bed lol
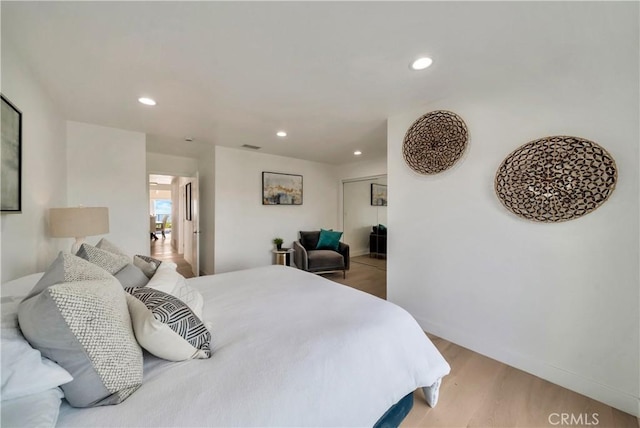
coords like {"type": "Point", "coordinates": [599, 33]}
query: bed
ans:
{"type": "Point", "coordinates": [289, 348]}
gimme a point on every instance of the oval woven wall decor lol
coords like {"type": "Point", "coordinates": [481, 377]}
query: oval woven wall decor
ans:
{"type": "Point", "coordinates": [556, 179]}
{"type": "Point", "coordinates": [435, 142]}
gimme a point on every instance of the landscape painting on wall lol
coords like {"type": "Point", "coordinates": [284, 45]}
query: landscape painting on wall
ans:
{"type": "Point", "coordinates": [281, 189]}
{"type": "Point", "coordinates": [378, 195]}
{"type": "Point", "coordinates": [10, 154]}
{"type": "Point", "coordinates": [188, 209]}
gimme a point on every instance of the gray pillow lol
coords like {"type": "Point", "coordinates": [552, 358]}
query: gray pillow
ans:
{"type": "Point", "coordinates": [117, 265]}
{"type": "Point", "coordinates": [131, 276]}
{"type": "Point", "coordinates": [148, 265]}
{"type": "Point", "coordinates": [77, 316]}
{"type": "Point", "coordinates": [309, 240]}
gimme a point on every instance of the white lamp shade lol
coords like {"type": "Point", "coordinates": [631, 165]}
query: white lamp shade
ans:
{"type": "Point", "coordinates": [78, 222]}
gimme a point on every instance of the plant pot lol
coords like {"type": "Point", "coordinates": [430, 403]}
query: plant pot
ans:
{"type": "Point", "coordinates": [278, 247]}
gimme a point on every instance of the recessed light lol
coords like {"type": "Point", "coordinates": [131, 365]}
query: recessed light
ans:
{"type": "Point", "coordinates": [188, 139]}
{"type": "Point", "coordinates": [357, 153]}
{"type": "Point", "coordinates": [147, 101]}
{"type": "Point", "coordinates": [281, 134]}
{"type": "Point", "coordinates": [421, 63]}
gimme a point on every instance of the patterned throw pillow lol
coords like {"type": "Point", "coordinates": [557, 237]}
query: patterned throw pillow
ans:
{"type": "Point", "coordinates": [105, 244]}
{"type": "Point", "coordinates": [111, 262]}
{"type": "Point", "coordinates": [77, 316]}
{"type": "Point", "coordinates": [166, 327]}
{"type": "Point", "coordinates": [147, 265]}
{"type": "Point", "coordinates": [117, 265]}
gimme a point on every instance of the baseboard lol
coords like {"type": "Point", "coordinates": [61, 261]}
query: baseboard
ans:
{"type": "Point", "coordinates": [358, 253]}
{"type": "Point", "coordinates": [572, 381]}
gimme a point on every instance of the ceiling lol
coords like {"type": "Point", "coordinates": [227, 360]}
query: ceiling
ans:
{"type": "Point", "coordinates": [329, 73]}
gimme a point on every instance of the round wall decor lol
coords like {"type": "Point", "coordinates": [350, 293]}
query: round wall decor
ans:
{"type": "Point", "coordinates": [556, 179]}
{"type": "Point", "coordinates": [435, 142]}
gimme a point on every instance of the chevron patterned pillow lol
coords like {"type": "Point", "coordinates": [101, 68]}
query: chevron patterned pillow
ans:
{"type": "Point", "coordinates": [166, 327]}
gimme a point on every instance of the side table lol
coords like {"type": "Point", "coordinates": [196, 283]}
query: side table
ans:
{"type": "Point", "coordinates": [282, 256]}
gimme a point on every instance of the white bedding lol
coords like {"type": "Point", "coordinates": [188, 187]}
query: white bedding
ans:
{"type": "Point", "coordinates": [290, 349]}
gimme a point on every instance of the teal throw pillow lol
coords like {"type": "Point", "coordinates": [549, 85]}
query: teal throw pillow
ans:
{"type": "Point", "coordinates": [329, 240]}
{"type": "Point", "coordinates": [382, 228]}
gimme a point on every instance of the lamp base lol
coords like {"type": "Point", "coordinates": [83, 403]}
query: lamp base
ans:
{"type": "Point", "coordinates": [76, 245]}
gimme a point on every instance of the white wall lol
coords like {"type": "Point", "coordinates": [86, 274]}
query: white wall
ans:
{"type": "Point", "coordinates": [171, 165]}
{"type": "Point", "coordinates": [556, 300]}
{"type": "Point", "coordinates": [107, 167]}
{"type": "Point", "coordinates": [363, 168]}
{"type": "Point", "coordinates": [26, 246]}
{"type": "Point", "coordinates": [206, 181]}
{"type": "Point", "coordinates": [244, 227]}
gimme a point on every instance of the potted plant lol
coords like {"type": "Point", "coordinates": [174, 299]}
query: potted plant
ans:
{"type": "Point", "coordinates": [278, 243]}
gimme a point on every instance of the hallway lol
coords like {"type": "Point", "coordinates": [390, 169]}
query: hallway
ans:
{"type": "Point", "coordinates": [162, 250]}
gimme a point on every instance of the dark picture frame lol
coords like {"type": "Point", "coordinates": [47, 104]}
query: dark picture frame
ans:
{"type": "Point", "coordinates": [281, 189]}
{"type": "Point", "coordinates": [11, 157]}
{"type": "Point", "coordinates": [378, 195]}
{"type": "Point", "coordinates": [187, 202]}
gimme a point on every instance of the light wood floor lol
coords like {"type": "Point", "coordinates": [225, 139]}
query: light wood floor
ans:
{"type": "Point", "coordinates": [481, 392]}
{"type": "Point", "coordinates": [367, 274]}
{"type": "Point", "coordinates": [162, 250]}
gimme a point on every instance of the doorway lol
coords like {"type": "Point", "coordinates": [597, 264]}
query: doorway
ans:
{"type": "Point", "coordinates": [364, 206]}
{"type": "Point", "coordinates": [173, 225]}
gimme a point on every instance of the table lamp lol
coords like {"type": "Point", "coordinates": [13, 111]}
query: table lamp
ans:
{"type": "Point", "coordinates": [78, 222]}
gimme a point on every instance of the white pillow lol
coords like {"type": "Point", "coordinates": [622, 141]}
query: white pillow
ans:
{"type": "Point", "coordinates": [12, 294]}
{"type": "Point", "coordinates": [24, 370]}
{"type": "Point", "coordinates": [36, 410]}
{"type": "Point", "coordinates": [21, 286]}
{"type": "Point", "coordinates": [190, 296]}
{"type": "Point", "coordinates": [168, 280]}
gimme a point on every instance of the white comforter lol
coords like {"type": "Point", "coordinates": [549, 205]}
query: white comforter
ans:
{"type": "Point", "coordinates": [290, 349]}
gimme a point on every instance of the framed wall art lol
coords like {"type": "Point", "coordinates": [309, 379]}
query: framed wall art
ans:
{"type": "Point", "coordinates": [281, 189]}
{"type": "Point", "coordinates": [188, 214]}
{"type": "Point", "coordinates": [11, 157]}
{"type": "Point", "coordinates": [378, 195]}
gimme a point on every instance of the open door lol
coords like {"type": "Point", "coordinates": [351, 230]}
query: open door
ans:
{"type": "Point", "coordinates": [191, 222]}
{"type": "Point", "coordinates": [195, 219]}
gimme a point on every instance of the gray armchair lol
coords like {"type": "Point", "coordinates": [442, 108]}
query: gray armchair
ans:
{"type": "Point", "coordinates": [308, 258]}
